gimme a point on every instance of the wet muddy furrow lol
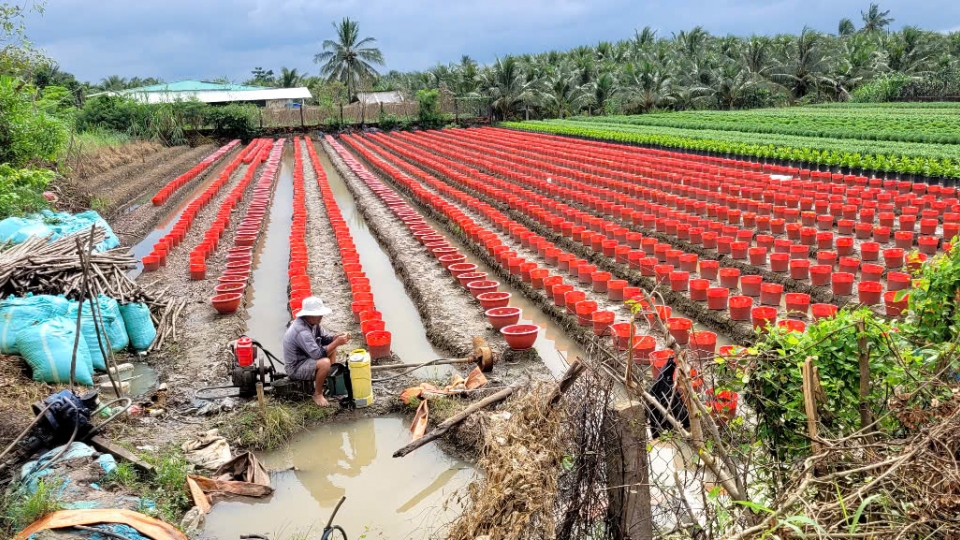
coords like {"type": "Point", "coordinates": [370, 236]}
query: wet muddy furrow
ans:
{"type": "Point", "coordinates": [449, 314]}
{"type": "Point", "coordinates": [324, 265]}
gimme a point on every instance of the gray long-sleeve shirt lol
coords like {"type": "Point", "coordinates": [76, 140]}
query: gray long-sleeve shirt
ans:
{"type": "Point", "coordinates": [303, 343]}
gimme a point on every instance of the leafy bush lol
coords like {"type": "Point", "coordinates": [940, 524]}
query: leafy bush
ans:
{"type": "Point", "coordinates": [387, 122]}
{"type": "Point", "coordinates": [429, 115]}
{"type": "Point", "coordinates": [167, 122]}
{"type": "Point", "coordinates": [889, 87]}
{"type": "Point", "coordinates": [774, 385]}
{"type": "Point", "coordinates": [233, 121]}
{"type": "Point", "coordinates": [934, 301]}
{"type": "Point", "coordinates": [27, 134]}
{"type": "Point", "coordinates": [21, 190]}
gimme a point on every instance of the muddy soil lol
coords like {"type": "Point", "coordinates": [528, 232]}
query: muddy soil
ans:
{"type": "Point", "coordinates": [127, 190]}
{"type": "Point", "coordinates": [90, 164]}
{"type": "Point", "coordinates": [450, 314]}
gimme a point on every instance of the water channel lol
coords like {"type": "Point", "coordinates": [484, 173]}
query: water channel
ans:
{"type": "Point", "coordinates": [386, 498]}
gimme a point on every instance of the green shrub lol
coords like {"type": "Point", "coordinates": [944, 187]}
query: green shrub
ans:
{"type": "Point", "coordinates": [28, 135]}
{"type": "Point", "coordinates": [21, 190]}
{"type": "Point", "coordinates": [886, 88]}
{"type": "Point", "coordinates": [233, 121]}
{"type": "Point", "coordinates": [774, 386]}
{"type": "Point", "coordinates": [429, 114]}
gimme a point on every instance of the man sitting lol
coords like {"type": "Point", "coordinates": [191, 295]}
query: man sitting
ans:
{"type": "Point", "coordinates": [309, 349]}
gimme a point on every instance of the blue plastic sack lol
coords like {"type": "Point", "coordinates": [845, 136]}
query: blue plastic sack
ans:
{"type": "Point", "coordinates": [10, 226]}
{"type": "Point", "coordinates": [16, 313]}
{"type": "Point", "coordinates": [139, 325]}
{"type": "Point", "coordinates": [48, 347]}
{"type": "Point", "coordinates": [114, 330]}
{"type": "Point", "coordinates": [56, 225]}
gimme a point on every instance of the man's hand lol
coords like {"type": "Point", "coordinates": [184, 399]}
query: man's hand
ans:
{"type": "Point", "coordinates": [341, 339]}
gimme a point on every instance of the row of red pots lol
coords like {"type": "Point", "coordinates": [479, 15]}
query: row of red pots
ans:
{"type": "Point", "coordinates": [240, 256]}
{"type": "Point", "coordinates": [892, 259]}
{"type": "Point", "coordinates": [868, 291]}
{"type": "Point", "coordinates": [178, 182]}
{"type": "Point", "coordinates": [685, 171]}
{"type": "Point", "coordinates": [300, 287]}
{"type": "Point", "coordinates": [185, 222]}
{"type": "Point", "coordinates": [377, 338]}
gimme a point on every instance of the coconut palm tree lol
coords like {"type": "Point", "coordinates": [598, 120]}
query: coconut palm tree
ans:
{"type": "Point", "coordinates": [289, 78]}
{"type": "Point", "coordinates": [349, 59]}
{"type": "Point", "coordinates": [874, 19]}
{"type": "Point", "coordinates": [559, 92]}
{"type": "Point", "coordinates": [846, 28]}
{"type": "Point", "coordinates": [506, 84]}
{"type": "Point", "coordinates": [599, 92]}
{"type": "Point", "coordinates": [805, 66]}
{"type": "Point", "coordinates": [113, 83]}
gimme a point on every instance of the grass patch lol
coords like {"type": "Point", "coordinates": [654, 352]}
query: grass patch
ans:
{"type": "Point", "coordinates": [20, 509]}
{"type": "Point", "coordinates": [166, 486]}
{"type": "Point", "coordinates": [93, 140]}
{"type": "Point", "coordinates": [249, 429]}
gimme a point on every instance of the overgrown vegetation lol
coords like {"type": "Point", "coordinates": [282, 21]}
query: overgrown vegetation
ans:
{"type": "Point", "coordinates": [20, 509]}
{"type": "Point", "coordinates": [249, 429]}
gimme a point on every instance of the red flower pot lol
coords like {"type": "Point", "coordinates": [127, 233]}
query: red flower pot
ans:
{"type": "Point", "coordinates": [730, 278]}
{"type": "Point", "coordinates": [643, 346]}
{"type": "Point", "coordinates": [823, 311]}
{"type": "Point", "coordinates": [709, 269]}
{"type": "Point", "coordinates": [227, 302]}
{"type": "Point", "coordinates": [897, 281]}
{"type": "Point", "coordinates": [762, 317]}
{"type": "Point", "coordinates": [799, 269]}
{"type": "Point", "coordinates": [658, 361]}
{"type": "Point", "coordinates": [740, 307]}
{"type": "Point", "coordinates": [479, 287]}
{"type": "Point", "coordinates": [679, 281]}
{"type": "Point", "coordinates": [797, 303]}
{"type": "Point", "coordinates": [717, 298]}
{"type": "Point", "coordinates": [503, 316]}
{"type": "Point", "coordinates": [893, 306]}
{"type": "Point", "coordinates": [698, 289]}
{"type": "Point", "coordinates": [770, 294]}
{"type": "Point", "coordinates": [791, 325]}
{"type": "Point", "coordinates": [779, 262]}
{"type": "Point", "coordinates": [585, 310]}
{"type": "Point", "coordinates": [378, 343]}
{"type": "Point", "coordinates": [679, 328]}
{"type": "Point", "coordinates": [893, 257]}
{"type": "Point", "coordinates": [871, 272]}
{"type": "Point", "coordinates": [750, 285]}
{"type": "Point", "coordinates": [520, 337]}
{"type": "Point", "coordinates": [602, 320]}
{"type": "Point", "coordinates": [820, 275]}
{"type": "Point", "coordinates": [869, 292]}
{"type": "Point", "coordinates": [491, 300]}
{"type": "Point", "coordinates": [615, 289]}
{"type": "Point", "coordinates": [842, 283]}
{"type": "Point", "coordinates": [869, 251]}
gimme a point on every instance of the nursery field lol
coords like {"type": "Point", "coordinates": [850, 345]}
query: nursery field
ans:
{"type": "Point", "coordinates": [903, 139]}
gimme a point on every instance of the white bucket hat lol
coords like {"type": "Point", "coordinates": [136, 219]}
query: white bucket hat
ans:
{"type": "Point", "coordinates": [313, 307]}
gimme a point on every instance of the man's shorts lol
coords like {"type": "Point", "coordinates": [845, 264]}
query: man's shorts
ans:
{"type": "Point", "coordinates": [306, 371]}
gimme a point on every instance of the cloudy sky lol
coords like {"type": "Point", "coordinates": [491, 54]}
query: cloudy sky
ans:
{"type": "Point", "coordinates": [180, 39]}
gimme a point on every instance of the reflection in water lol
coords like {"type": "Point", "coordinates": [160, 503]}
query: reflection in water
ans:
{"type": "Point", "coordinates": [267, 291]}
{"type": "Point", "coordinates": [393, 498]}
{"type": "Point", "coordinates": [401, 316]}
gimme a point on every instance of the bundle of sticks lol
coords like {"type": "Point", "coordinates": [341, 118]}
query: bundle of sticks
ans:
{"type": "Point", "coordinates": [41, 266]}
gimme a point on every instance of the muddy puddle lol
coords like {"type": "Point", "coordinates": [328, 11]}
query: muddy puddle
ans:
{"type": "Point", "coordinates": [387, 498]}
{"type": "Point", "coordinates": [410, 341]}
{"type": "Point", "coordinates": [267, 297]}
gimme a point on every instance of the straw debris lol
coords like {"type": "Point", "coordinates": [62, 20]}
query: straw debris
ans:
{"type": "Point", "coordinates": [522, 456]}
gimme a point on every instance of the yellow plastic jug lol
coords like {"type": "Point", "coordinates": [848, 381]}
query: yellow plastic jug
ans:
{"type": "Point", "coordinates": [360, 377]}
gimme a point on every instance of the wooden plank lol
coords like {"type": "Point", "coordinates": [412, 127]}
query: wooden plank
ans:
{"type": "Point", "coordinates": [103, 445]}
